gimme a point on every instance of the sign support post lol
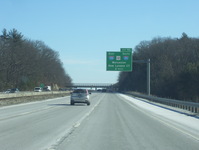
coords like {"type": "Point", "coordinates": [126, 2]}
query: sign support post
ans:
{"type": "Point", "coordinates": [122, 61]}
{"type": "Point", "coordinates": [148, 73]}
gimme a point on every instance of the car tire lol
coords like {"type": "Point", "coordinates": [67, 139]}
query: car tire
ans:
{"type": "Point", "coordinates": [72, 102]}
{"type": "Point", "coordinates": [88, 103]}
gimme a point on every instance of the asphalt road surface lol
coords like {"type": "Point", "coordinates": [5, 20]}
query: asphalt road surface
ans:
{"type": "Point", "coordinates": [109, 123]}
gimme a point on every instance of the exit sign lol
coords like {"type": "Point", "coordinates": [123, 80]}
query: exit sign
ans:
{"type": "Point", "coordinates": [119, 61]}
{"type": "Point", "coordinates": [126, 49]}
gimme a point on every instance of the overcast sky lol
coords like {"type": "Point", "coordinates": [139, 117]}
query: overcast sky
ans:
{"type": "Point", "coordinates": [83, 30]}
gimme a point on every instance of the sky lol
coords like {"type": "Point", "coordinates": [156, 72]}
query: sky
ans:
{"type": "Point", "coordinates": [82, 31]}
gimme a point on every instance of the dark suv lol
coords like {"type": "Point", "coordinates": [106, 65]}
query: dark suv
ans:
{"type": "Point", "coordinates": [14, 90]}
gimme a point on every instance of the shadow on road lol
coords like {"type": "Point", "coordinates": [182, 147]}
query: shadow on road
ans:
{"type": "Point", "coordinates": [79, 104]}
{"type": "Point", "coordinates": [59, 105]}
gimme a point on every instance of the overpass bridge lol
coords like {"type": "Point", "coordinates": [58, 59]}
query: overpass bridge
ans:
{"type": "Point", "coordinates": [93, 85]}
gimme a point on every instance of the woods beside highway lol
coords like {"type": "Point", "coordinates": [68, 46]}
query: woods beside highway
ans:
{"type": "Point", "coordinates": [26, 64]}
{"type": "Point", "coordinates": [174, 68]}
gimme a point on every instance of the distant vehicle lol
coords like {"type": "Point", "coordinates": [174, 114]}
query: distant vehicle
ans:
{"type": "Point", "coordinates": [62, 89]}
{"type": "Point", "coordinates": [14, 90]}
{"type": "Point", "coordinates": [80, 96]}
{"type": "Point", "coordinates": [7, 91]}
{"type": "Point", "coordinates": [38, 89]}
{"type": "Point", "coordinates": [103, 90]}
{"type": "Point", "coordinates": [47, 88]}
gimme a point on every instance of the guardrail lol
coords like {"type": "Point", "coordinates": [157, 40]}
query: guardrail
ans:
{"type": "Point", "coordinates": [24, 94]}
{"type": "Point", "coordinates": [190, 106]}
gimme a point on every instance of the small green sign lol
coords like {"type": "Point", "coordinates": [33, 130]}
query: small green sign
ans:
{"type": "Point", "coordinates": [119, 61]}
{"type": "Point", "coordinates": [42, 85]}
{"type": "Point", "coordinates": [126, 49]}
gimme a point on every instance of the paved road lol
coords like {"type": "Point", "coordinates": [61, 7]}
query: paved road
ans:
{"type": "Point", "coordinates": [110, 122]}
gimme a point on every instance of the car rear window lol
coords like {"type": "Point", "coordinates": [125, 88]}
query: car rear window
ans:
{"type": "Point", "coordinates": [79, 91]}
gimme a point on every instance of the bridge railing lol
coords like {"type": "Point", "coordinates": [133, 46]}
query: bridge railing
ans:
{"type": "Point", "coordinates": [91, 85]}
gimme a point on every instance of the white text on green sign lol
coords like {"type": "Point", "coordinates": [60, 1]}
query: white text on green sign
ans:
{"type": "Point", "coordinates": [119, 61]}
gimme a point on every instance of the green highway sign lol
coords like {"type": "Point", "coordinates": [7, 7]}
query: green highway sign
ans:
{"type": "Point", "coordinates": [119, 61]}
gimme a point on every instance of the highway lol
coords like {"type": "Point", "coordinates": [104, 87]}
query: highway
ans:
{"type": "Point", "coordinates": [111, 122]}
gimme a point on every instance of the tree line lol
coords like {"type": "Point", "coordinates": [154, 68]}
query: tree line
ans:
{"type": "Point", "coordinates": [174, 68]}
{"type": "Point", "coordinates": [25, 63]}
